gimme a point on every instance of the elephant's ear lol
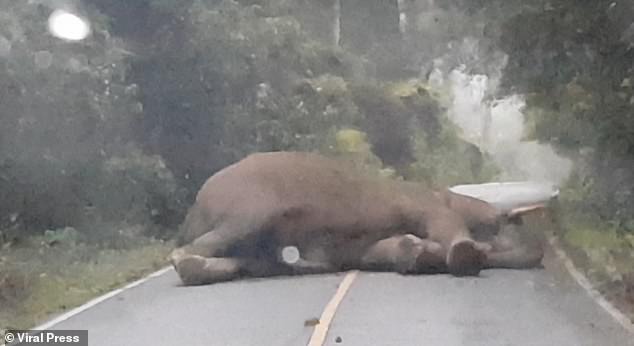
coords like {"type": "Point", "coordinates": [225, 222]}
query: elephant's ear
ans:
{"type": "Point", "coordinates": [514, 216]}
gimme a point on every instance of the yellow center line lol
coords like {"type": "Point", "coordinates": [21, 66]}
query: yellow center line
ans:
{"type": "Point", "coordinates": [321, 330]}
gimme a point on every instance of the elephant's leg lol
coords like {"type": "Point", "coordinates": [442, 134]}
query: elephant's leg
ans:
{"type": "Point", "coordinates": [463, 255]}
{"type": "Point", "coordinates": [198, 270]}
{"type": "Point", "coordinates": [306, 267]}
{"type": "Point", "coordinates": [518, 258]}
{"type": "Point", "coordinates": [203, 261]}
{"type": "Point", "coordinates": [310, 257]}
{"type": "Point", "coordinates": [513, 253]}
{"type": "Point", "coordinates": [400, 253]}
{"type": "Point", "coordinates": [466, 257]}
{"type": "Point", "coordinates": [404, 254]}
{"type": "Point", "coordinates": [210, 244]}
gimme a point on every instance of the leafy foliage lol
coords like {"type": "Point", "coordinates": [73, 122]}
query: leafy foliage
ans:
{"type": "Point", "coordinates": [123, 130]}
{"type": "Point", "coordinates": [576, 61]}
{"type": "Point", "coordinates": [66, 108]}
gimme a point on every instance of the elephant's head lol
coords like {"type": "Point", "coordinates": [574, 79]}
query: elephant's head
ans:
{"type": "Point", "coordinates": [483, 219]}
{"type": "Point", "coordinates": [487, 208]}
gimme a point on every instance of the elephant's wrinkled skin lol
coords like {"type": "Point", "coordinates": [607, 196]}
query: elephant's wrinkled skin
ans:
{"type": "Point", "coordinates": [337, 217]}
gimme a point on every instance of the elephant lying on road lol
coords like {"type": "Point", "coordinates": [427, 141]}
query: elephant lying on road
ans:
{"type": "Point", "coordinates": [336, 218]}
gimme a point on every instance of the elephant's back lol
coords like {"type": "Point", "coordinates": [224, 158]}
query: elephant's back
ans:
{"type": "Point", "coordinates": [300, 191]}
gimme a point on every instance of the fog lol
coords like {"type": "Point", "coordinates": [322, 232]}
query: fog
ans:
{"type": "Point", "coordinates": [497, 126]}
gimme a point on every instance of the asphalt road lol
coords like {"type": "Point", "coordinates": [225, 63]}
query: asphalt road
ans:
{"type": "Point", "coordinates": [501, 307]}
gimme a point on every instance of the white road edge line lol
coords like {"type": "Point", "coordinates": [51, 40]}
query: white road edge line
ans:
{"type": "Point", "coordinates": [583, 281]}
{"type": "Point", "coordinates": [321, 330]}
{"type": "Point", "coordinates": [63, 317]}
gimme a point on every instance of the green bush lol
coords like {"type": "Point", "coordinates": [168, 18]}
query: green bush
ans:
{"type": "Point", "coordinates": [66, 107]}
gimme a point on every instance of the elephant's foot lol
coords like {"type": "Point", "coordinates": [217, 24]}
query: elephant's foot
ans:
{"type": "Point", "coordinates": [198, 270]}
{"type": "Point", "coordinates": [405, 254]}
{"type": "Point", "coordinates": [175, 256]}
{"type": "Point", "coordinates": [410, 254]}
{"type": "Point", "coordinates": [465, 257]}
{"type": "Point", "coordinates": [430, 259]}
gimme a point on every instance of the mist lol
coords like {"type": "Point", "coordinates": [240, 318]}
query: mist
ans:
{"type": "Point", "coordinates": [497, 126]}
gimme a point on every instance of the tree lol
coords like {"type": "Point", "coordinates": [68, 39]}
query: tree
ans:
{"type": "Point", "coordinates": [576, 61]}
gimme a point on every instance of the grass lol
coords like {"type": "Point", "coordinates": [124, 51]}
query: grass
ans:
{"type": "Point", "coordinates": [38, 279]}
{"type": "Point", "coordinates": [608, 254]}
{"type": "Point", "coordinates": [605, 254]}
{"type": "Point", "coordinates": [603, 249]}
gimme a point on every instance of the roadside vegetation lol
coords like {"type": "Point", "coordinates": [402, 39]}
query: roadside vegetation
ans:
{"type": "Point", "coordinates": [104, 142]}
{"type": "Point", "coordinates": [576, 64]}
{"type": "Point", "coordinates": [50, 274]}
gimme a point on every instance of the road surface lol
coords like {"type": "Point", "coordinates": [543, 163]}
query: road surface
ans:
{"type": "Point", "coordinates": [501, 307]}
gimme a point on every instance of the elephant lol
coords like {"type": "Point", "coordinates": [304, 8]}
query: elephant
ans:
{"type": "Point", "coordinates": [334, 217]}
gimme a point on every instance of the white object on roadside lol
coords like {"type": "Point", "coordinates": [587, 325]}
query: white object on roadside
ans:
{"type": "Point", "coordinates": [507, 196]}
